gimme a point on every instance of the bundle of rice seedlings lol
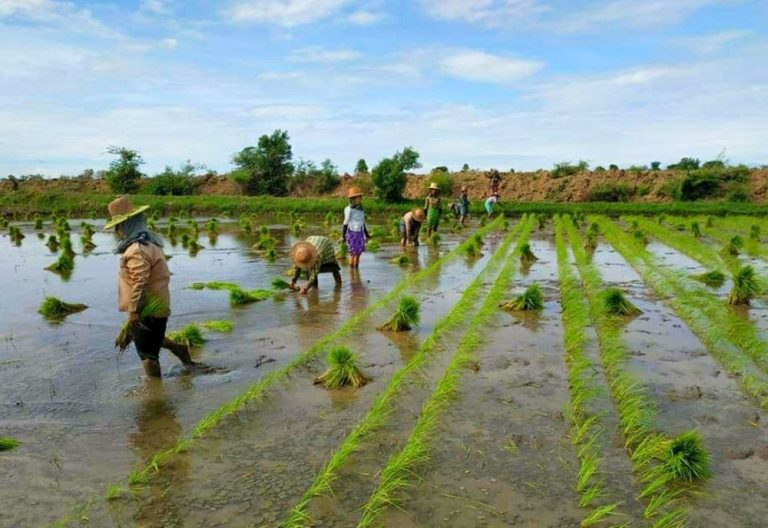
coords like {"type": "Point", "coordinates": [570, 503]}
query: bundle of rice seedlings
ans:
{"type": "Point", "coordinates": [245, 224]}
{"type": "Point", "coordinates": [473, 249]}
{"type": "Point", "coordinates": [263, 230]}
{"type": "Point", "coordinates": [506, 225]}
{"type": "Point", "coordinates": [342, 370]}
{"type": "Point", "coordinates": [265, 242]}
{"type": "Point", "coordinates": [193, 228]}
{"type": "Point", "coordinates": [745, 286]}
{"type": "Point", "coordinates": [52, 243]}
{"type": "Point", "coordinates": [616, 304]}
{"type": "Point", "coordinates": [66, 261]}
{"type": "Point", "coordinates": [405, 317]}
{"type": "Point", "coordinates": [16, 235]}
{"type": "Point", "coordinates": [238, 296]}
{"type": "Point", "coordinates": [152, 307]}
{"type": "Point", "coordinates": [542, 220]}
{"type": "Point", "coordinates": [55, 309]}
{"type": "Point", "coordinates": [151, 225]}
{"type": "Point", "coordinates": [373, 246]}
{"type": "Point", "coordinates": [38, 222]}
{"type": "Point", "coordinates": [640, 237]}
{"type": "Point", "coordinates": [184, 240]}
{"type": "Point", "coordinates": [215, 285]}
{"type": "Point", "coordinates": [8, 443]}
{"type": "Point", "coordinates": [171, 229]}
{"type": "Point", "coordinates": [731, 249]}
{"type": "Point", "coordinates": [63, 224]}
{"type": "Point", "coordinates": [710, 222]}
{"type": "Point", "coordinates": [695, 230]}
{"type": "Point", "coordinates": [343, 252]}
{"type": "Point", "coordinates": [193, 247]}
{"type": "Point", "coordinates": [270, 254]}
{"type": "Point", "coordinates": [297, 226]}
{"type": "Point", "coordinates": [754, 233]}
{"type": "Point", "coordinates": [212, 226]}
{"type": "Point", "coordinates": [86, 242]}
{"type": "Point", "coordinates": [434, 239]}
{"type": "Point", "coordinates": [219, 326]}
{"type": "Point", "coordinates": [713, 279]}
{"type": "Point", "coordinates": [684, 458]}
{"type": "Point", "coordinates": [401, 260]}
{"type": "Point", "coordinates": [478, 238]}
{"type": "Point", "coordinates": [530, 300]}
{"type": "Point", "coordinates": [526, 254]}
{"type": "Point", "coordinates": [279, 283]}
{"type": "Point", "coordinates": [590, 242]}
{"type": "Point", "coordinates": [3, 223]}
{"type": "Point", "coordinates": [189, 335]}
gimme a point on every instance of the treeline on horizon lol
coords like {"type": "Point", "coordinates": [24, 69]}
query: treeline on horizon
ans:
{"type": "Point", "coordinates": [268, 168]}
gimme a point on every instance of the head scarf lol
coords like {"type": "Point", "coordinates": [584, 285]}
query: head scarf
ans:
{"type": "Point", "coordinates": [135, 230]}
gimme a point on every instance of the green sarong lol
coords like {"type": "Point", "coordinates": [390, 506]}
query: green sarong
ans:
{"type": "Point", "coordinates": [433, 218]}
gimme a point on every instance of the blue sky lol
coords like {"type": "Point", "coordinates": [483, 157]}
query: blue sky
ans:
{"type": "Point", "coordinates": [493, 83]}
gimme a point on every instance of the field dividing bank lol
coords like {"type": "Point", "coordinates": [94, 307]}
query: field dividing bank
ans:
{"type": "Point", "coordinates": [24, 204]}
{"type": "Point", "coordinates": [400, 471]}
{"type": "Point", "coordinates": [643, 438]}
{"type": "Point", "coordinates": [731, 340]}
{"type": "Point", "coordinates": [383, 405]}
{"type": "Point", "coordinates": [587, 429]}
{"type": "Point", "coordinates": [258, 390]}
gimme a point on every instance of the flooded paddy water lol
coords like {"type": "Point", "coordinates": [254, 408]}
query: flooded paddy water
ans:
{"type": "Point", "coordinates": [502, 454]}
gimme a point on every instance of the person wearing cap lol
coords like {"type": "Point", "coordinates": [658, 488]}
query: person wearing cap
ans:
{"type": "Point", "coordinates": [463, 205]}
{"type": "Point", "coordinates": [354, 230]}
{"type": "Point", "coordinates": [489, 203]}
{"type": "Point", "coordinates": [143, 276]}
{"type": "Point", "coordinates": [315, 255]}
{"type": "Point", "coordinates": [433, 208]}
{"type": "Point", "coordinates": [410, 225]}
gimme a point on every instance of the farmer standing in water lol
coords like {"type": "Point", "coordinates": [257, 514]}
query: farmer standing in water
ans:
{"type": "Point", "coordinates": [315, 255]}
{"type": "Point", "coordinates": [143, 276]}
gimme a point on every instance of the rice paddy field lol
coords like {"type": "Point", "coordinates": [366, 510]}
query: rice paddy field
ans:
{"type": "Point", "coordinates": [533, 371]}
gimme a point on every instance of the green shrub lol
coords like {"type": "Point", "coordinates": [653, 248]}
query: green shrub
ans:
{"type": "Point", "coordinates": [687, 164]}
{"type": "Point", "coordinates": [443, 180]}
{"type": "Point", "coordinates": [123, 175]}
{"type": "Point", "coordinates": [171, 182]}
{"type": "Point", "coordinates": [566, 168]}
{"type": "Point", "coordinates": [388, 175]}
{"type": "Point", "coordinates": [610, 192]}
{"type": "Point", "coordinates": [267, 167]}
{"type": "Point", "coordinates": [739, 195]}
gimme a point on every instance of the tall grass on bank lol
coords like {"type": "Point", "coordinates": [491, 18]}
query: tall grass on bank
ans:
{"type": "Point", "coordinates": [382, 405]}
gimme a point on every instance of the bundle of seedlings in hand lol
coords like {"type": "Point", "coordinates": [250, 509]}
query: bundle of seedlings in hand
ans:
{"type": "Point", "coordinates": [238, 296]}
{"type": "Point", "coordinates": [615, 303]}
{"type": "Point", "coordinates": [55, 309]}
{"type": "Point", "coordinates": [343, 252]}
{"type": "Point", "coordinates": [190, 335]}
{"type": "Point", "coordinates": [342, 370]}
{"type": "Point", "coordinates": [695, 230]}
{"type": "Point", "coordinates": [219, 326]}
{"type": "Point", "coordinates": [685, 459]}
{"type": "Point", "coordinates": [52, 243]}
{"type": "Point", "coordinates": [401, 260]}
{"type": "Point", "coordinates": [153, 307]}
{"type": "Point", "coordinates": [473, 249]}
{"type": "Point", "coordinates": [66, 260]}
{"type": "Point", "coordinates": [279, 283]}
{"type": "Point", "coordinates": [754, 233]}
{"type": "Point", "coordinates": [405, 317]}
{"type": "Point", "coordinates": [526, 254]}
{"type": "Point", "coordinates": [713, 279]}
{"type": "Point", "coordinates": [731, 249]}
{"type": "Point", "coordinates": [212, 226]}
{"type": "Point", "coordinates": [38, 222]}
{"type": "Point", "coordinates": [530, 300]}
{"type": "Point", "coordinates": [745, 286]}
{"type": "Point", "coordinates": [7, 443]}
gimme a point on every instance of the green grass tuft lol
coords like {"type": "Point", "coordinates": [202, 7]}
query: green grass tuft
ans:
{"type": "Point", "coordinates": [530, 300]}
{"type": "Point", "coordinates": [53, 308]}
{"type": "Point", "coordinates": [684, 458]}
{"type": "Point", "coordinates": [746, 286]}
{"type": "Point", "coordinates": [7, 443]}
{"type": "Point", "coordinates": [189, 335]}
{"type": "Point", "coordinates": [223, 326]}
{"type": "Point", "coordinates": [342, 370]}
{"type": "Point", "coordinates": [405, 317]}
{"type": "Point", "coordinates": [713, 279]}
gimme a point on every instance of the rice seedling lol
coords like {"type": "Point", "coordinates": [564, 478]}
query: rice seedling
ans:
{"type": "Point", "coordinates": [214, 285]}
{"type": "Point", "coordinates": [184, 240]}
{"type": "Point", "coordinates": [52, 243]}
{"type": "Point", "coordinates": [401, 260]}
{"type": "Point", "coordinates": [713, 279]}
{"type": "Point", "coordinates": [3, 223]}
{"type": "Point", "coordinates": [478, 238]}
{"type": "Point", "coordinates": [615, 303]}
{"type": "Point", "coordinates": [343, 370]}
{"type": "Point", "coordinates": [151, 225]}
{"type": "Point", "coordinates": [7, 443]}
{"type": "Point", "coordinates": [343, 251]}
{"type": "Point", "coordinates": [297, 226]}
{"type": "Point", "coordinates": [541, 219]}
{"type": "Point", "coordinates": [194, 229]}
{"type": "Point", "coordinates": [193, 247]}
{"type": "Point", "coordinates": [746, 286]}
{"type": "Point", "coordinates": [222, 326]}
{"type": "Point", "coordinates": [506, 225]}
{"type": "Point", "coordinates": [170, 230]}
{"type": "Point", "coordinates": [189, 335]}
{"type": "Point", "coordinates": [526, 254]}
{"type": "Point", "coordinates": [472, 250]}
{"type": "Point", "coordinates": [55, 309]}
{"type": "Point", "coordinates": [590, 241]}
{"type": "Point", "coordinates": [16, 235]}
{"type": "Point", "coordinates": [239, 297]}
{"type": "Point", "coordinates": [405, 317]}
{"type": "Point", "coordinates": [731, 249]}
{"type": "Point", "coordinates": [330, 219]}
{"type": "Point", "coordinates": [754, 233]}
{"type": "Point", "coordinates": [265, 242]}
{"type": "Point", "coordinates": [684, 458]}
{"type": "Point", "coordinates": [710, 222]}
{"type": "Point", "coordinates": [373, 246]}
{"type": "Point", "coordinates": [38, 222]}
{"type": "Point", "coordinates": [245, 224]}
{"type": "Point", "coordinates": [264, 230]}
{"type": "Point", "coordinates": [212, 226]}
{"type": "Point", "coordinates": [86, 242]}
{"type": "Point", "coordinates": [152, 307]}
{"type": "Point", "coordinates": [530, 300]}
{"type": "Point", "coordinates": [279, 283]}
{"type": "Point", "coordinates": [66, 261]}
{"type": "Point", "coordinates": [696, 230]}
{"type": "Point", "coordinates": [113, 492]}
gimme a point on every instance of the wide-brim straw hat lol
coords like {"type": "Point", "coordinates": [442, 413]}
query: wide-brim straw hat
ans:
{"type": "Point", "coordinates": [121, 209]}
{"type": "Point", "coordinates": [433, 186]}
{"type": "Point", "coordinates": [463, 188]}
{"type": "Point", "coordinates": [354, 192]}
{"type": "Point", "coordinates": [303, 255]}
{"type": "Point", "coordinates": [419, 215]}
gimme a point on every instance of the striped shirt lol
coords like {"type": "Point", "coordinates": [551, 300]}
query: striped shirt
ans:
{"type": "Point", "coordinates": [326, 254]}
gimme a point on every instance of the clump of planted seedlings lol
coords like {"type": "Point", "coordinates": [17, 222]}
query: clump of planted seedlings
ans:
{"type": "Point", "coordinates": [193, 247]}
{"type": "Point", "coordinates": [7, 443]}
{"type": "Point", "coordinates": [640, 237]}
{"type": "Point", "coordinates": [153, 307]}
{"type": "Point", "coordinates": [695, 230]}
{"type": "Point", "coordinates": [401, 260]}
{"type": "Point", "coordinates": [52, 243]}
{"type": "Point", "coordinates": [746, 286]}
{"type": "Point", "coordinates": [66, 261]}
{"type": "Point", "coordinates": [590, 241]}
{"type": "Point", "coordinates": [731, 249]}
{"type": "Point", "coordinates": [212, 226]}
{"type": "Point", "coordinates": [56, 309]}
{"type": "Point", "coordinates": [434, 239]}
{"type": "Point", "coordinates": [245, 224]}
{"type": "Point", "coordinates": [279, 283]}
{"type": "Point", "coordinates": [329, 219]}
{"type": "Point", "coordinates": [684, 458]}
{"type": "Point", "coordinates": [38, 223]}
{"type": "Point", "coordinates": [526, 254]}
{"type": "Point", "coordinates": [713, 279]}
{"type": "Point", "coordinates": [343, 370]}
{"type": "Point", "coordinates": [185, 240]}
{"type": "Point", "coordinates": [530, 300]}
{"type": "Point", "coordinates": [16, 235]}
{"type": "Point", "coordinates": [222, 326]}
{"type": "Point", "coordinates": [405, 317]}
{"type": "Point", "coordinates": [86, 237]}
{"type": "Point", "coordinates": [190, 335]}
{"type": "Point", "coordinates": [542, 220]}
{"type": "Point", "coordinates": [472, 249]}
{"type": "Point", "coordinates": [266, 240]}
{"type": "Point", "coordinates": [615, 303]}
{"type": "Point", "coordinates": [297, 226]}
{"type": "Point", "coordinates": [754, 233]}
{"type": "Point", "coordinates": [478, 238]}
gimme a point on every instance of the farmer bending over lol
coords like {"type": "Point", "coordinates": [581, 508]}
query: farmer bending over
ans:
{"type": "Point", "coordinates": [143, 276]}
{"type": "Point", "coordinates": [314, 256]}
{"type": "Point", "coordinates": [410, 225]}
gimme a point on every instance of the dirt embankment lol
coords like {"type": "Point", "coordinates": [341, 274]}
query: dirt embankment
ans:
{"type": "Point", "coordinates": [540, 186]}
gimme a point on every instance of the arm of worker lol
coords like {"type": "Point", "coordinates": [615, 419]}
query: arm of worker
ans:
{"type": "Point", "coordinates": [296, 275]}
{"type": "Point", "coordinates": [367, 234]}
{"type": "Point", "coordinates": [312, 280]}
{"type": "Point", "coordinates": [138, 268]}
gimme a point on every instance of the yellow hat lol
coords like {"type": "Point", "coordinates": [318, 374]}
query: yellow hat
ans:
{"type": "Point", "coordinates": [120, 210]}
{"type": "Point", "coordinates": [303, 255]}
{"type": "Point", "coordinates": [434, 186]}
{"type": "Point", "coordinates": [354, 191]}
{"type": "Point", "coordinates": [419, 215]}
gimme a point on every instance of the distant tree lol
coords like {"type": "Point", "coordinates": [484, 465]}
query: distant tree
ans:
{"type": "Point", "coordinates": [599, 168]}
{"type": "Point", "coordinates": [567, 168]}
{"type": "Point", "coordinates": [465, 168]}
{"type": "Point", "coordinates": [613, 167]}
{"type": "Point", "coordinates": [714, 164]}
{"type": "Point", "coordinates": [361, 167]}
{"type": "Point", "coordinates": [309, 178]}
{"type": "Point", "coordinates": [440, 168]}
{"type": "Point", "coordinates": [123, 175]}
{"type": "Point", "coordinates": [329, 176]}
{"type": "Point", "coordinates": [389, 174]}
{"type": "Point", "coordinates": [655, 165]}
{"type": "Point", "coordinates": [687, 164]}
{"type": "Point", "coordinates": [267, 167]}
{"type": "Point", "coordinates": [175, 182]}
{"type": "Point", "coordinates": [87, 174]}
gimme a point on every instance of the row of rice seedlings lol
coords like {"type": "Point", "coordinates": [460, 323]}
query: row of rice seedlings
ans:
{"type": "Point", "coordinates": [586, 426]}
{"type": "Point", "coordinates": [382, 405]}
{"type": "Point", "coordinates": [400, 470]}
{"type": "Point", "coordinates": [257, 391]}
{"type": "Point", "coordinates": [751, 239]}
{"type": "Point", "coordinates": [56, 310]}
{"type": "Point", "coordinates": [86, 237]}
{"type": "Point", "coordinates": [733, 341]}
{"type": "Point", "coordinates": [637, 414]}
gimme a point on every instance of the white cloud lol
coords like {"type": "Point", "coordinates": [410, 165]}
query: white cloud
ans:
{"type": "Point", "coordinates": [169, 43]}
{"type": "Point", "coordinates": [487, 12]}
{"type": "Point", "coordinates": [713, 42]}
{"type": "Point", "coordinates": [289, 112]}
{"type": "Point", "coordinates": [155, 7]}
{"type": "Point", "coordinates": [364, 18]}
{"type": "Point", "coordinates": [55, 13]}
{"type": "Point", "coordinates": [322, 55]}
{"type": "Point", "coordinates": [485, 67]}
{"type": "Point", "coordinates": [286, 13]}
